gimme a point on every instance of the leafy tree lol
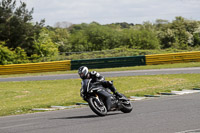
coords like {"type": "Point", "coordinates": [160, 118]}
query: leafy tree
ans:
{"type": "Point", "coordinates": [167, 38]}
{"type": "Point", "coordinates": [77, 27]}
{"type": "Point", "coordinates": [78, 42]}
{"type": "Point", "coordinates": [196, 36]}
{"type": "Point", "coordinates": [183, 30]}
{"type": "Point", "coordinates": [102, 37]}
{"type": "Point", "coordinates": [141, 39]}
{"type": "Point", "coordinates": [123, 25]}
{"type": "Point", "coordinates": [21, 56]}
{"type": "Point", "coordinates": [60, 37]}
{"type": "Point", "coordinates": [44, 46]}
{"type": "Point", "coordinates": [16, 27]}
{"type": "Point", "coordinates": [6, 56]}
{"type": "Point", "coordinates": [146, 40]}
{"type": "Point", "coordinates": [147, 26]}
{"type": "Point", "coordinates": [94, 37]}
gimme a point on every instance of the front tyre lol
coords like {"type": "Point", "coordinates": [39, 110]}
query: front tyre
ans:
{"type": "Point", "coordinates": [97, 106]}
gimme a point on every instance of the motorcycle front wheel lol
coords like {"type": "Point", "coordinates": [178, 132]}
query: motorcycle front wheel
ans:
{"type": "Point", "coordinates": [97, 106]}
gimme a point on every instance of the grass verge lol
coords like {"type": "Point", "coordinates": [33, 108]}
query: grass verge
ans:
{"type": "Point", "coordinates": [21, 97]}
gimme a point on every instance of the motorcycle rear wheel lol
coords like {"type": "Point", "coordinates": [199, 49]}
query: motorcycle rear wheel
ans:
{"type": "Point", "coordinates": [96, 107]}
{"type": "Point", "coordinates": [126, 107]}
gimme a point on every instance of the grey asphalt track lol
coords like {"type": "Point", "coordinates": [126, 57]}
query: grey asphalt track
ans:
{"type": "Point", "coordinates": [108, 74]}
{"type": "Point", "coordinates": [168, 114]}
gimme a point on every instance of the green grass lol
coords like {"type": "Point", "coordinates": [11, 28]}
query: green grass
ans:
{"type": "Point", "coordinates": [177, 65]}
{"type": "Point", "coordinates": [21, 97]}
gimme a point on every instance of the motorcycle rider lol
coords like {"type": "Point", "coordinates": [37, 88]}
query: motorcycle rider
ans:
{"type": "Point", "coordinates": [96, 77]}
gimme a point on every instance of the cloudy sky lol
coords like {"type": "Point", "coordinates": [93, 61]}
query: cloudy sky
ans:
{"type": "Point", "coordinates": [111, 11]}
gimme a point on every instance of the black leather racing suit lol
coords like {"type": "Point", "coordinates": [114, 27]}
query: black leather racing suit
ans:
{"type": "Point", "coordinates": [96, 77]}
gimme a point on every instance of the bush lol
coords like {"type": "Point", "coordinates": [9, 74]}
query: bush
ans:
{"type": "Point", "coordinates": [6, 55]}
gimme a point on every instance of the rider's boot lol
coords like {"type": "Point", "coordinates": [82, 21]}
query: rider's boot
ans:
{"type": "Point", "coordinates": [114, 90]}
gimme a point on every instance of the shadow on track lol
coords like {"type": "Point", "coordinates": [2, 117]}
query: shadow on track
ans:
{"type": "Point", "coordinates": [85, 117]}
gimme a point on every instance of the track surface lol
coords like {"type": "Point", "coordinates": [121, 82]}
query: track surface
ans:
{"type": "Point", "coordinates": [108, 74]}
{"type": "Point", "coordinates": [170, 114]}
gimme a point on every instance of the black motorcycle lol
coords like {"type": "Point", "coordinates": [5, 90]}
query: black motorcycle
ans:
{"type": "Point", "coordinates": [97, 103]}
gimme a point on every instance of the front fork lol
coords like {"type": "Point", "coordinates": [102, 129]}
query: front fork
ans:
{"type": "Point", "coordinates": [98, 100]}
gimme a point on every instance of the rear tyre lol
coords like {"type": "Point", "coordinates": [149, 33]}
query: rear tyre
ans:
{"type": "Point", "coordinates": [97, 106]}
{"type": "Point", "coordinates": [126, 107]}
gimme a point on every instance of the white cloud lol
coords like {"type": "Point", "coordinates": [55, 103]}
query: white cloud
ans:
{"type": "Point", "coordinates": [110, 11]}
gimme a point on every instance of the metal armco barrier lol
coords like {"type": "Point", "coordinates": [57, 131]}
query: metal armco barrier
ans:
{"type": "Point", "coordinates": [35, 67]}
{"type": "Point", "coordinates": [109, 62]}
{"type": "Point", "coordinates": [100, 63]}
{"type": "Point", "coordinates": [173, 58]}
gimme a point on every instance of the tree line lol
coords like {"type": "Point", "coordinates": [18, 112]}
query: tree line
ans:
{"type": "Point", "coordinates": [22, 41]}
